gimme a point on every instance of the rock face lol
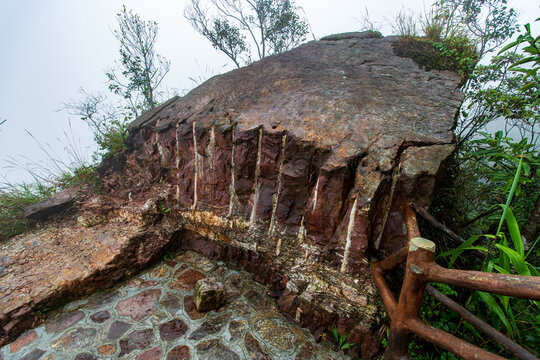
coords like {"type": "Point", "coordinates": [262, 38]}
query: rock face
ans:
{"type": "Point", "coordinates": [309, 151]}
{"type": "Point", "coordinates": [296, 168]}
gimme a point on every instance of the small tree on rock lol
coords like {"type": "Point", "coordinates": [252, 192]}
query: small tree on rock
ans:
{"type": "Point", "coordinates": [142, 69]}
{"type": "Point", "coordinates": [136, 77]}
{"type": "Point", "coordinates": [238, 26]}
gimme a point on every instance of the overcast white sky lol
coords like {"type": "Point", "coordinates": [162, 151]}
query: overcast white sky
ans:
{"type": "Point", "coordinates": [51, 48]}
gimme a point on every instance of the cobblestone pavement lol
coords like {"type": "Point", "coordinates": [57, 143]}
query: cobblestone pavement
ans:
{"type": "Point", "coordinates": [153, 317]}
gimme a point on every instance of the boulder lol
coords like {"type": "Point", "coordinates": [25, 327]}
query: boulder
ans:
{"type": "Point", "coordinates": [209, 294]}
{"type": "Point", "coordinates": [297, 168]}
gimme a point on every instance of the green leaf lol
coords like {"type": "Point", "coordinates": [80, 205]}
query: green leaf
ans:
{"type": "Point", "coordinates": [517, 260]}
{"type": "Point", "coordinates": [511, 194]}
{"type": "Point", "coordinates": [515, 235]}
{"type": "Point", "coordinates": [465, 246]}
{"type": "Point", "coordinates": [500, 269]}
{"type": "Point", "coordinates": [336, 335]}
{"type": "Point", "coordinates": [524, 60]}
{"type": "Point", "coordinates": [495, 308]}
{"type": "Point", "coordinates": [509, 46]}
{"type": "Point", "coordinates": [532, 247]}
{"type": "Point", "coordinates": [342, 339]}
{"type": "Point", "coordinates": [510, 316]}
{"type": "Point", "coordinates": [346, 346]}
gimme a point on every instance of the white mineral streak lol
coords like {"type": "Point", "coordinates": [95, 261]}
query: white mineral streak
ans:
{"type": "Point", "coordinates": [160, 149]}
{"type": "Point", "coordinates": [211, 149]}
{"type": "Point", "coordinates": [278, 247]}
{"type": "Point", "coordinates": [302, 230]}
{"type": "Point", "coordinates": [253, 216]}
{"type": "Point", "coordinates": [315, 194]}
{"type": "Point", "coordinates": [196, 163]}
{"type": "Point", "coordinates": [233, 198]}
{"type": "Point", "coordinates": [350, 228]}
{"type": "Point", "coordinates": [177, 163]}
{"type": "Point", "coordinates": [275, 199]}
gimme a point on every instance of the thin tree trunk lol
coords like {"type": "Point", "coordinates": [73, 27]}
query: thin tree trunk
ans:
{"type": "Point", "coordinates": [531, 229]}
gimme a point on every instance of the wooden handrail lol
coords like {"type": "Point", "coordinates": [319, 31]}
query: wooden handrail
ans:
{"type": "Point", "coordinates": [420, 269]}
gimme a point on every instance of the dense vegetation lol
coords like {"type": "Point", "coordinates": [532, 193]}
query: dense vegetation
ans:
{"type": "Point", "coordinates": [490, 195]}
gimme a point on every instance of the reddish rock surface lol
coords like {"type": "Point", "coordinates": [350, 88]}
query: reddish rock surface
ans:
{"type": "Point", "coordinates": [100, 316]}
{"type": "Point", "coordinates": [22, 341]}
{"type": "Point", "coordinates": [152, 354]}
{"type": "Point", "coordinates": [117, 329]}
{"type": "Point", "coordinates": [187, 280]}
{"type": "Point", "coordinates": [64, 322]}
{"type": "Point", "coordinates": [139, 306]}
{"type": "Point", "coordinates": [296, 168]}
{"type": "Point", "coordinates": [179, 353]}
{"type": "Point", "coordinates": [173, 329]}
{"type": "Point", "coordinates": [191, 309]}
{"type": "Point", "coordinates": [106, 349]}
{"type": "Point", "coordinates": [138, 339]}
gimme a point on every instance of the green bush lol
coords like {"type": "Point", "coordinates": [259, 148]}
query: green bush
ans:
{"type": "Point", "coordinates": [112, 141]}
{"type": "Point", "coordinates": [453, 53]}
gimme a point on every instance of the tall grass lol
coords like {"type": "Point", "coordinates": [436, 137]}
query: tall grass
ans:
{"type": "Point", "coordinates": [53, 174]}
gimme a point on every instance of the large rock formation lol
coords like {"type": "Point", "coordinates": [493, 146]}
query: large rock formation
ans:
{"type": "Point", "coordinates": [297, 162]}
{"type": "Point", "coordinates": [296, 167]}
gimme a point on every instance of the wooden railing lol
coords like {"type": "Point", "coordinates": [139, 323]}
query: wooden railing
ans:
{"type": "Point", "coordinates": [420, 269]}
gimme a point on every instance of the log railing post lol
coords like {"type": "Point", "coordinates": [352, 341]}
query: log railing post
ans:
{"type": "Point", "coordinates": [412, 291]}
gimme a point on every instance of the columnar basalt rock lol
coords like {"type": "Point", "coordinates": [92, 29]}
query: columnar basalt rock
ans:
{"type": "Point", "coordinates": [295, 167]}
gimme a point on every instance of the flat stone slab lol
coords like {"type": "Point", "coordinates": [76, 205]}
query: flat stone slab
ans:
{"type": "Point", "coordinates": [61, 261]}
{"type": "Point", "coordinates": [53, 205]}
{"type": "Point", "coordinates": [238, 330]}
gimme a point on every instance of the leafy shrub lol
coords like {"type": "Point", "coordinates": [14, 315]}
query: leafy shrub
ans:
{"type": "Point", "coordinates": [112, 141]}
{"type": "Point", "coordinates": [454, 53]}
{"type": "Point", "coordinates": [505, 254]}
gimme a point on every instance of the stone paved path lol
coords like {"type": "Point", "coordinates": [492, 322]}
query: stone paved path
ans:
{"type": "Point", "coordinates": [153, 317]}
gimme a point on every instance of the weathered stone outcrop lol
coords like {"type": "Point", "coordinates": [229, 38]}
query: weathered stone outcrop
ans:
{"type": "Point", "coordinates": [296, 167]}
{"type": "Point", "coordinates": [53, 205]}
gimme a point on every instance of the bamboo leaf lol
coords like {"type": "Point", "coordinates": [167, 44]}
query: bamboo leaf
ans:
{"type": "Point", "coordinates": [495, 308]}
{"type": "Point", "coordinates": [511, 194]}
{"type": "Point", "coordinates": [465, 246]}
{"type": "Point", "coordinates": [517, 260]}
{"type": "Point", "coordinates": [504, 261]}
{"type": "Point", "coordinates": [509, 46]}
{"type": "Point", "coordinates": [500, 269]}
{"type": "Point", "coordinates": [515, 235]}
